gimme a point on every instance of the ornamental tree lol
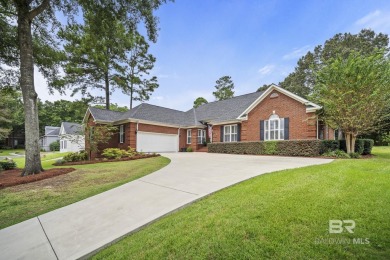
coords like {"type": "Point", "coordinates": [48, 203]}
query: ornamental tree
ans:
{"type": "Point", "coordinates": [354, 91]}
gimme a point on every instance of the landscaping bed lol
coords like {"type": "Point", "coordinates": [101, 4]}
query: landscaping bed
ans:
{"type": "Point", "coordinates": [13, 177]}
{"type": "Point", "coordinates": [104, 160]}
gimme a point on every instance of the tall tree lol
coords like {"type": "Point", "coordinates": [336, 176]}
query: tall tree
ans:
{"type": "Point", "coordinates": [95, 52]}
{"type": "Point", "coordinates": [224, 86]}
{"type": "Point", "coordinates": [35, 21]}
{"type": "Point", "coordinates": [354, 91]}
{"type": "Point", "coordinates": [135, 81]}
{"type": "Point", "coordinates": [200, 101]}
{"type": "Point", "coordinates": [302, 80]}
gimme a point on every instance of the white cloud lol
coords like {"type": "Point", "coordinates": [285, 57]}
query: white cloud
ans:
{"type": "Point", "coordinates": [377, 20]}
{"type": "Point", "coordinates": [267, 69]}
{"type": "Point", "coordinates": [297, 53]}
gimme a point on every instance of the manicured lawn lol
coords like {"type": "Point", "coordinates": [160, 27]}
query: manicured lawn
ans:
{"type": "Point", "coordinates": [8, 152]}
{"type": "Point", "coordinates": [25, 201]}
{"type": "Point", "coordinates": [47, 159]}
{"type": "Point", "coordinates": [278, 215]}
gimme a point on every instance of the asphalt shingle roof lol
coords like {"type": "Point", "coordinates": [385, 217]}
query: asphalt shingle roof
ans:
{"type": "Point", "coordinates": [72, 128]}
{"type": "Point", "coordinates": [218, 111]}
{"type": "Point", "coordinates": [52, 130]}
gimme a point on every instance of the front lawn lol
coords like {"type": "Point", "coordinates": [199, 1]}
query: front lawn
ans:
{"type": "Point", "coordinates": [11, 151]}
{"type": "Point", "coordinates": [278, 215]}
{"type": "Point", "coordinates": [25, 201]}
{"type": "Point", "coordinates": [47, 159]}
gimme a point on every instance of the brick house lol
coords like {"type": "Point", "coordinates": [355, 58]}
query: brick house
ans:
{"type": "Point", "coordinates": [274, 114]}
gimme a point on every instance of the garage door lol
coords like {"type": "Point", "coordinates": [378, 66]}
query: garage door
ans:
{"type": "Point", "coordinates": [154, 142]}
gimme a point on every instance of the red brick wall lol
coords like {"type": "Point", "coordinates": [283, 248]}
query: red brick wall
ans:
{"type": "Point", "coordinates": [302, 125]}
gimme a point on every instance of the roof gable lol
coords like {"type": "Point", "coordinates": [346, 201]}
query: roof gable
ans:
{"type": "Point", "coordinates": [71, 128]}
{"type": "Point", "coordinates": [310, 106]}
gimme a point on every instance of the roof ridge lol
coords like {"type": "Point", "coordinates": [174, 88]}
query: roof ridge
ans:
{"type": "Point", "coordinates": [216, 101]}
{"type": "Point", "coordinates": [162, 107]}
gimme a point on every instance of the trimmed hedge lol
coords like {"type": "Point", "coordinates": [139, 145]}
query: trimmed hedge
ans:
{"type": "Point", "coordinates": [307, 148]}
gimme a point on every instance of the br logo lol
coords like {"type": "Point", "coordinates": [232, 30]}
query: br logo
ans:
{"type": "Point", "coordinates": [338, 226]}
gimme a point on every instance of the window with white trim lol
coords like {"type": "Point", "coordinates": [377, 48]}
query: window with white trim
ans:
{"type": "Point", "coordinates": [63, 144]}
{"type": "Point", "coordinates": [274, 128]}
{"type": "Point", "coordinates": [121, 133]}
{"type": "Point", "coordinates": [230, 133]}
{"type": "Point", "coordinates": [189, 133]}
{"type": "Point", "coordinates": [201, 136]}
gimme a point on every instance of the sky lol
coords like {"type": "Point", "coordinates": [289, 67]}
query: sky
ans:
{"type": "Point", "coordinates": [254, 42]}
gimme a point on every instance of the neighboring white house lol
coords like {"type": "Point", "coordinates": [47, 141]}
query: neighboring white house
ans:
{"type": "Point", "coordinates": [72, 137]}
{"type": "Point", "coordinates": [51, 135]}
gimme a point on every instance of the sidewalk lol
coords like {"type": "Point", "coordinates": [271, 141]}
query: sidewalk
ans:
{"type": "Point", "coordinates": [83, 228]}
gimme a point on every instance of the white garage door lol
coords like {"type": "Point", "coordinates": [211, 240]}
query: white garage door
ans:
{"type": "Point", "coordinates": [155, 142]}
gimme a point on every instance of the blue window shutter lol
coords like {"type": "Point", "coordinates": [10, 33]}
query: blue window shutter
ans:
{"type": "Point", "coordinates": [261, 130]}
{"type": "Point", "coordinates": [221, 133]}
{"type": "Point", "coordinates": [239, 132]}
{"type": "Point", "coordinates": [286, 129]}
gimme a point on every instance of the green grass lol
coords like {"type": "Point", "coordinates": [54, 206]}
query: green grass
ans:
{"type": "Point", "coordinates": [8, 152]}
{"type": "Point", "coordinates": [47, 159]}
{"type": "Point", "coordinates": [25, 201]}
{"type": "Point", "coordinates": [278, 215]}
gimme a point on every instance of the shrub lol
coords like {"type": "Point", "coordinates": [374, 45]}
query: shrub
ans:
{"type": "Point", "coordinates": [4, 147]}
{"type": "Point", "coordinates": [189, 149]}
{"type": "Point", "coordinates": [362, 146]}
{"type": "Point", "coordinates": [368, 144]}
{"type": "Point", "coordinates": [114, 153]}
{"type": "Point", "coordinates": [284, 148]}
{"type": "Point", "coordinates": [329, 146]}
{"type": "Point", "coordinates": [76, 157]}
{"type": "Point", "coordinates": [55, 146]}
{"type": "Point", "coordinates": [60, 161]}
{"type": "Point", "coordinates": [7, 164]}
{"type": "Point", "coordinates": [131, 152]}
{"type": "Point", "coordinates": [355, 155]}
{"type": "Point", "coordinates": [359, 146]}
{"type": "Point", "coordinates": [341, 154]}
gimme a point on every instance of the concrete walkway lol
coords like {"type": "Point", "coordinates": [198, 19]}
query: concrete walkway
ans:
{"type": "Point", "coordinates": [84, 227]}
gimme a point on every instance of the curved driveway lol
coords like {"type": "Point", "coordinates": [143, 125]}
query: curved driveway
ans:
{"type": "Point", "coordinates": [82, 228]}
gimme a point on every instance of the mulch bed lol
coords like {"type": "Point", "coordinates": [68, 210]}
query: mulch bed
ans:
{"type": "Point", "coordinates": [10, 178]}
{"type": "Point", "coordinates": [101, 160]}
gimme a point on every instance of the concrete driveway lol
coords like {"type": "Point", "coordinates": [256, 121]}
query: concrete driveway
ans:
{"type": "Point", "coordinates": [84, 227]}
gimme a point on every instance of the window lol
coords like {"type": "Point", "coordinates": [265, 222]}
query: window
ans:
{"type": "Point", "coordinates": [121, 133]}
{"type": "Point", "coordinates": [189, 133]}
{"type": "Point", "coordinates": [274, 128]}
{"type": "Point", "coordinates": [230, 133]}
{"type": "Point", "coordinates": [63, 144]}
{"type": "Point", "coordinates": [201, 136]}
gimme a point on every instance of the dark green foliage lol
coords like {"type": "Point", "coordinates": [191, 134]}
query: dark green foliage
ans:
{"type": "Point", "coordinates": [200, 101]}
{"type": "Point", "coordinates": [368, 144]}
{"type": "Point", "coordinates": [329, 145]}
{"type": "Point", "coordinates": [359, 146]}
{"type": "Point", "coordinates": [55, 146]}
{"type": "Point", "coordinates": [307, 148]}
{"type": "Point", "coordinates": [76, 157]}
{"type": "Point", "coordinates": [7, 165]}
{"type": "Point", "coordinates": [189, 149]}
{"type": "Point", "coordinates": [224, 88]}
{"type": "Point", "coordinates": [285, 148]}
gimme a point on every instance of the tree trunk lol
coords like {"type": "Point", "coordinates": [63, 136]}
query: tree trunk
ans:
{"type": "Point", "coordinates": [107, 89]}
{"type": "Point", "coordinates": [353, 141]}
{"type": "Point", "coordinates": [131, 96]}
{"type": "Point", "coordinates": [348, 142]}
{"type": "Point", "coordinates": [32, 159]}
